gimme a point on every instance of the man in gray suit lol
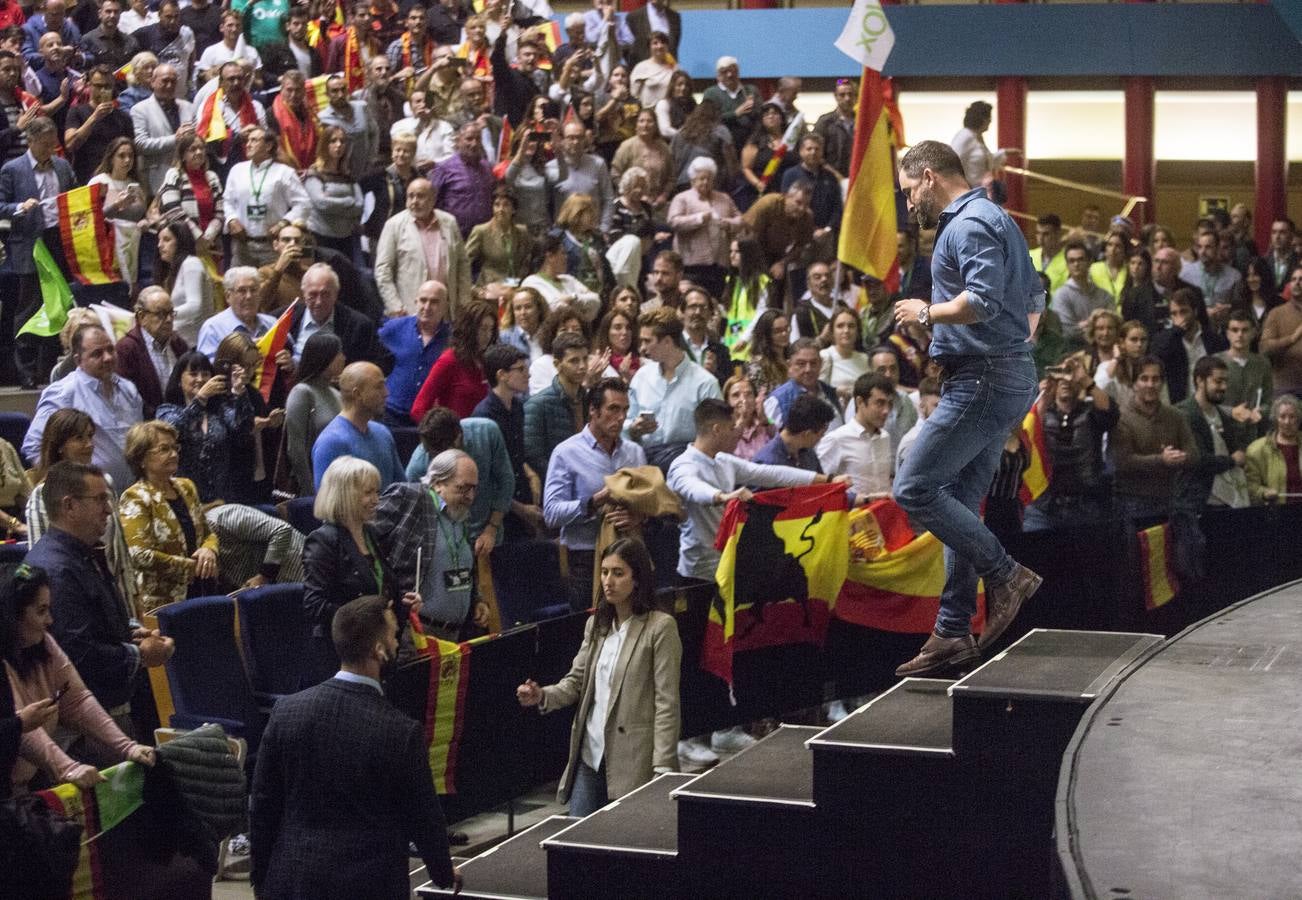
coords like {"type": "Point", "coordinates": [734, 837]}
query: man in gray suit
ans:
{"type": "Point", "coordinates": [159, 120]}
{"type": "Point", "coordinates": [343, 780]}
{"type": "Point", "coordinates": [29, 190]}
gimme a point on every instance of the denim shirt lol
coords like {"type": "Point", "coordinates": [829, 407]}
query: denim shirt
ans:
{"type": "Point", "coordinates": [980, 249]}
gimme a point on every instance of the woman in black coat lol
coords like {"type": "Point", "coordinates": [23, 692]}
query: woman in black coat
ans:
{"type": "Point", "coordinates": [341, 559]}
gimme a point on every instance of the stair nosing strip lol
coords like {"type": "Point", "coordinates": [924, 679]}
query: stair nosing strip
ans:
{"type": "Point", "coordinates": [898, 748]}
{"type": "Point", "coordinates": [607, 848]}
{"type": "Point", "coordinates": [740, 799]}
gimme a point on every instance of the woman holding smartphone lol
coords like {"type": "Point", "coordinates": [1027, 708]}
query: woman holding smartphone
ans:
{"type": "Point", "coordinates": [625, 682]}
{"type": "Point", "coordinates": [38, 669]}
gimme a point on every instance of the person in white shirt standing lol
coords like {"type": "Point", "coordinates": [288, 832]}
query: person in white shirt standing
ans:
{"type": "Point", "coordinates": [861, 448]}
{"type": "Point", "coordinates": [260, 193]}
{"type": "Point", "coordinates": [706, 475]}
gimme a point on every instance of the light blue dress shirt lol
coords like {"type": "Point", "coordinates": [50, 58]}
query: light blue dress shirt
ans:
{"type": "Point", "coordinates": [980, 249]}
{"type": "Point", "coordinates": [578, 470]}
{"type": "Point", "coordinates": [672, 402]}
{"type": "Point", "coordinates": [226, 322]}
{"type": "Point", "coordinates": [113, 412]}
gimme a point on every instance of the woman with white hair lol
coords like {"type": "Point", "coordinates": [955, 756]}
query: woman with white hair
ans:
{"type": "Point", "coordinates": [342, 560]}
{"type": "Point", "coordinates": [703, 221]}
{"type": "Point", "coordinates": [631, 227]}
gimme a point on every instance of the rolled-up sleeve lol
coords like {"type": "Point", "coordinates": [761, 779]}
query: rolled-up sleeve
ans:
{"type": "Point", "coordinates": [983, 265]}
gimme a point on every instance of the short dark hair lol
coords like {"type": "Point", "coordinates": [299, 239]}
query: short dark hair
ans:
{"type": "Point", "coordinates": [1075, 244]}
{"type": "Point", "coordinates": [1204, 368]}
{"type": "Point", "coordinates": [498, 358]}
{"type": "Point", "coordinates": [1052, 220]}
{"type": "Point", "coordinates": [190, 361]}
{"type": "Point", "coordinates": [976, 113]}
{"type": "Point", "coordinates": [709, 412]}
{"type": "Point", "coordinates": [1242, 315]}
{"type": "Point", "coordinates": [357, 625]}
{"type": "Point", "coordinates": [664, 322]}
{"type": "Point", "coordinates": [808, 413]}
{"type": "Point", "coordinates": [439, 429]}
{"type": "Point", "coordinates": [567, 341]}
{"type": "Point", "coordinates": [866, 383]}
{"type": "Point", "coordinates": [929, 387]}
{"type": "Point", "coordinates": [66, 479]}
{"type": "Point", "coordinates": [934, 155]}
{"type": "Point", "coordinates": [1151, 360]}
{"type": "Point", "coordinates": [597, 396]}
{"type": "Point", "coordinates": [79, 335]}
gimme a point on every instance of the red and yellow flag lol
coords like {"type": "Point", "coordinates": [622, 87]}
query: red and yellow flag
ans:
{"type": "Point", "coordinates": [550, 34]}
{"type": "Point", "coordinates": [269, 345]}
{"type": "Point", "coordinates": [868, 226]}
{"type": "Point", "coordinates": [784, 557]}
{"type": "Point", "coordinates": [1035, 480]}
{"type": "Point", "coordinates": [96, 810]}
{"type": "Point", "coordinates": [445, 707]}
{"type": "Point", "coordinates": [895, 576]}
{"type": "Point", "coordinates": [1156, 566]}
{"type": "Point", "coordinates": [87, 237]}
{"type": "Point", "coordinates": [317, 96]}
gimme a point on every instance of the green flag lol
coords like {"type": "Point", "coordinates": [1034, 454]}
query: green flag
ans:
{"type": "Point", "coordinates": [56, 296]}
{"type": "Point", "coordinates": [120, 794]}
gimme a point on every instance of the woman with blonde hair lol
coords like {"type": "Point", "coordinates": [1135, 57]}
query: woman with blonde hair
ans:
{"type": "Point", "coordinates": [174, 553]}
{"type": "Point", "coordinates": [138, 80]}
{"type": "Point", "coordinates": [342, 560]}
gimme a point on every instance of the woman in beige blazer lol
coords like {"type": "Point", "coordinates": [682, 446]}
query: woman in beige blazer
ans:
{"type": "Point", "coordinates": [625, 680]}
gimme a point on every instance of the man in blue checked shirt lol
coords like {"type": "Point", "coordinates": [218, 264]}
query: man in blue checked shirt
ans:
{"type": "Point", "coordinates": [985, 301]}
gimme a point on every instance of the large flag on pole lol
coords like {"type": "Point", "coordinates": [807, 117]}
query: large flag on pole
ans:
{"type": "Point", "coordinates": [868, 225]}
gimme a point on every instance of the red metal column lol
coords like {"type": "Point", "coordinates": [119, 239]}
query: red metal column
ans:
{"type": "Point", "coordinates": [1139, 168]}
{"type": "Point", "coordinates": [1272, 163]}
{"type": "Point", "coordinates": [1010, 106]}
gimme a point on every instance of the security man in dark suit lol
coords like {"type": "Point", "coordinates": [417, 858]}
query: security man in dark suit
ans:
{"type": "Point", "coordinates": [343, 780]}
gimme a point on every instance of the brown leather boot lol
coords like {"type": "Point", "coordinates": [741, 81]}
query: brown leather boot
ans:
{"type": "Point", "coordinates": [1004, 600]}
{"type": "Point", "coordinates": [940, 654]}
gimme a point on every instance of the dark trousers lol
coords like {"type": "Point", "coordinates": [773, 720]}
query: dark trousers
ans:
{"type": "Point", "coordinates": [583, 566]}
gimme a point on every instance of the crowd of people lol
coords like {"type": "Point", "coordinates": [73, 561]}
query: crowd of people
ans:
{"type": "Point", "coordinates": [503, 274]}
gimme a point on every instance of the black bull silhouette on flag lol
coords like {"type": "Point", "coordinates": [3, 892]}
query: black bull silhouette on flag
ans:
{"type": "Point", "coordinates": [765, 572]}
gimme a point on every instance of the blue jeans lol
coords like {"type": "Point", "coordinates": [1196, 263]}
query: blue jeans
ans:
{"type": "Point", "coordinates": [948, 472]}
{"type": "Point", "coordinates": [588, 793]}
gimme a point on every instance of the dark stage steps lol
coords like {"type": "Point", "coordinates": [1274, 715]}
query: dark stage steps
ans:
{"type": "Point", "coordinates": [515, 869]}
{"type": "Point", "coordinates": [749, 823]}
{"type": "Point", "coordinates": [628, 848]}
{"type": "Point", "coordinates": [935, 788]}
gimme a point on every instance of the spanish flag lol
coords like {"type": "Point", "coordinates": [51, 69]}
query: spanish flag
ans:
{"type": "Point", "coordinates": [445, 707]}
{"type": "Point", "coordinates": [1157, 567]}
{"type": "Point", "coordinates": [269, 345]}
{"type": "Point", "coordinates": [96, 810]}
{"type": "Point", "coordinates": [868, 226]}
{"type": "Point", "coordinates": [895, 576]}
{"type": "Point", "coordinates": [550, 34]}
{"type": "Point", "coordinates": [784, 557]}
{"type": "Point", "coordinates": [317, 96]}
{"type": "Point", "coordinates": [1035, 480]}
{"type": "Point", "coordinates": [87, 237]}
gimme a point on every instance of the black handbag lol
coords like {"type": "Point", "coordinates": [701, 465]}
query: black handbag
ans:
{"type": "Point", "coordinates": [39, 849]}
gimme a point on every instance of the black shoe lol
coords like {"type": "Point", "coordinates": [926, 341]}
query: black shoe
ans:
{"type": "Point", "coordinates": [1003, 602]}
{"type": "Point", "coordinates": [940, 654]}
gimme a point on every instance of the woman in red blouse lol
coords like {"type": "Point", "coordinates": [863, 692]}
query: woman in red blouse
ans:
{"type": "Point", "coordinates": [456, 380]}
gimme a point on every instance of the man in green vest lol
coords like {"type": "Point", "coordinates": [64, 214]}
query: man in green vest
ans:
{"type": "Point", "coordinates": [1048, 257]}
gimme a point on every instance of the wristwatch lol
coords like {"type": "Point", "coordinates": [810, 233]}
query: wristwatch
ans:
{"type": "Point", "coordinates": [924, 317]}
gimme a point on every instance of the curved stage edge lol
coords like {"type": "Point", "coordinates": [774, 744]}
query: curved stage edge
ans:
{"type": "Point", "coordinates": [1185, 779]}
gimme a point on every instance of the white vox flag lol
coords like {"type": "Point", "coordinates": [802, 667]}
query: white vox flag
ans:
{"type": "Point", "coordinates": [867, 37]}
